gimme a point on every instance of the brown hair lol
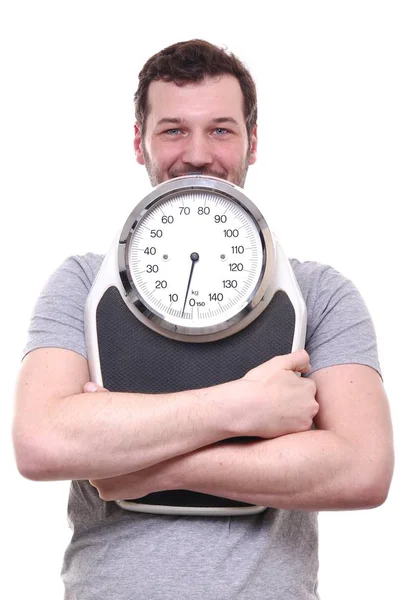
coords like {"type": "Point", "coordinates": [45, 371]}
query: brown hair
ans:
{"type": "Point", "coordinates": [193, 61]}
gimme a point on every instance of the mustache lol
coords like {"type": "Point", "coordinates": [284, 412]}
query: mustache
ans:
{"type": "Point", "coordinates": [193, 171]}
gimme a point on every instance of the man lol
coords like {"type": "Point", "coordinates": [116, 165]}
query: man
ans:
{"type": "Point", "coordinates": [196, 112]}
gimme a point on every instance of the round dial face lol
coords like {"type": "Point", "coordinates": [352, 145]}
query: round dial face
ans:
{"type": "Point", "coordinates": [196, 258]}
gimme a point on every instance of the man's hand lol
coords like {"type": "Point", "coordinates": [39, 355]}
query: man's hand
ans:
{"type": "Point", "coordinates": [346, 463]}
{"type": "Point", "coordinates": [90, 386]}
{"type": "Point", "coordinates": [273, 400]}
{"type": "Point", "coordinates": [270, 400]}
{"type": "Point", "coordinates": [133, 485]}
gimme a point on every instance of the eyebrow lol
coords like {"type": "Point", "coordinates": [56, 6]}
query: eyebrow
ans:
{"type": "Point", "coordinates": [177, 121]}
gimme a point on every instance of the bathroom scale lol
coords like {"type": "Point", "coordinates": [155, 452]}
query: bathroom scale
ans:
{"type": "Point", "coordinates": [194, 291]}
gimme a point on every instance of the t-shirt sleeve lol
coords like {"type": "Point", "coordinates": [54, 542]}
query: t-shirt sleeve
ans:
{"type": "Point", "coordinates": [58, 317]}
{"type": "Point", "coordinates": [340, 328]}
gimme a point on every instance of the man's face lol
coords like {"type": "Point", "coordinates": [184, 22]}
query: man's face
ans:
{"type": "Point", "coordinates": [196, 128]}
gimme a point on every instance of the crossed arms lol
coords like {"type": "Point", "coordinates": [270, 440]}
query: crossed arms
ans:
{"type": "Point", "coordinates": [129, 445]}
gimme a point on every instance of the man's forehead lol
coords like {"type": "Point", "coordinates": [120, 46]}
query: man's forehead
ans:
{"type": "Point", "coordinates": [211, 92]}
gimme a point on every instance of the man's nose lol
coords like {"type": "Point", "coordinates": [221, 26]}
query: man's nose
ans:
{"type": "Point", "coordinates": [197, 151]}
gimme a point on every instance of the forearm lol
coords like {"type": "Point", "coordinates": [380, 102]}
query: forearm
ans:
{"type": "Point", "coordinates": [61, 434]}
{"type": "Point", "coordinates": [314, 470]}
{"type": "Point", "coordinates": [346, 463]}
{"type": "Point", "coordinates": [108, 434]}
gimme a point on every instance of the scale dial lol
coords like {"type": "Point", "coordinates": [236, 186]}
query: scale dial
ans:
{"type": "Point", "coordinates": [194, 257]}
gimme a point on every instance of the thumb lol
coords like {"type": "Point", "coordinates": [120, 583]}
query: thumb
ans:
{"type": "Point", "coordinates": [91, 386]}
{"type": "Point", "coordinates": [298, 361]}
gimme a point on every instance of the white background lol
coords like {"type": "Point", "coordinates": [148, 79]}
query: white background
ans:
{"type": "Point", "coordinates": [327, 181]}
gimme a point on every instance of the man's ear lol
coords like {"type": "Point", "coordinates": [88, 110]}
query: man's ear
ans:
{"type": "Point", "coordinates": [137, 144]}
{"type": "Point", "coordinates": [253, 147]}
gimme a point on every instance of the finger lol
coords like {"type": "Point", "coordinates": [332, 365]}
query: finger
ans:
{"type": "Point", "coordinates": [91, 386]}
{"type": "Point", "coordinates": [298, 361]}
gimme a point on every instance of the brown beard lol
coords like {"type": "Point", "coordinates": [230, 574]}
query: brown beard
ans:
{"type": "Point", "coordinates": [239, 174]}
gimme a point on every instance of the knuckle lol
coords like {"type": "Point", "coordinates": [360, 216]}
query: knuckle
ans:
{"type": "Point", "coordinates": [275, 361]}
{"type": "Point", "coordinates": [306, 424]}
{"type": "Point", "coordinates": [103, 493]}
{"type": "Point", "coordinates": [311, 385]}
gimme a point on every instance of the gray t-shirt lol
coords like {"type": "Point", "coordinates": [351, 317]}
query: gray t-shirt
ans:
{"type": "Point", "coordinates": [121, 555]}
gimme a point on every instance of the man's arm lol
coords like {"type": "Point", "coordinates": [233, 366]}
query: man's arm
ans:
{"type": "Point", "coordinates": [62, 433]}
{"type": "Point", "coordinates": [347, 463]}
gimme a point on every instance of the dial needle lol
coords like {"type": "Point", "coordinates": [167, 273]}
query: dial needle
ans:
{"type": "Point", "coordinates": [194, 257]}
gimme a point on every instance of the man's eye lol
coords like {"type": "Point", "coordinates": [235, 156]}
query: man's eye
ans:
{"type": "Point", "coordinates": [173, 131]}
{"type": "Point", "coordinates": [220, 130]}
